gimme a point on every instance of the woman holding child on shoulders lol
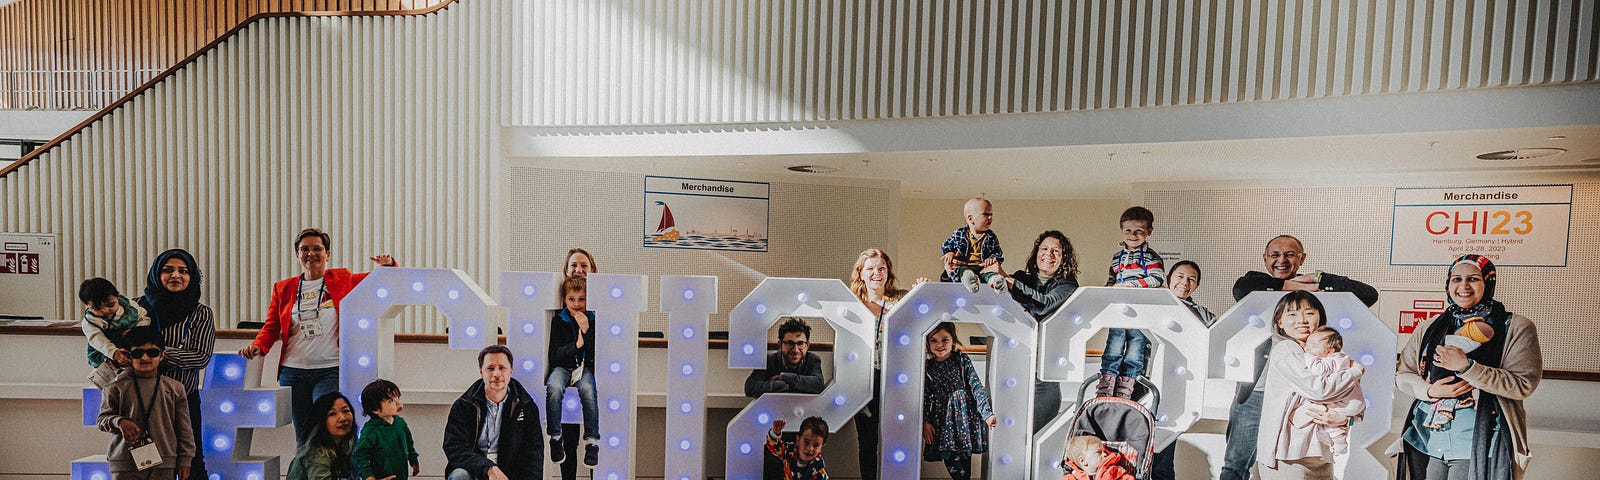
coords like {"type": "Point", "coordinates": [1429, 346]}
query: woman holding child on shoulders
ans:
{"type": "Point", "coordinates": [1469, 370]}
{"type": "Point", "coordinates": [1289, 448]}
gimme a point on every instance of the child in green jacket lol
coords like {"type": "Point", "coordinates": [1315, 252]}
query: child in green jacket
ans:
{"type": "Point", "coordinates": [385, 447]}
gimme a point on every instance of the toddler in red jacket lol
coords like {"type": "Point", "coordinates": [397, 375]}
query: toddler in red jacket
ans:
{"type": "Point", "coordinates": [1089, 459]}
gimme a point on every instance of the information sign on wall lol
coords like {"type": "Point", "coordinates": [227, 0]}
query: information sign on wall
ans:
{"type": "Point", "coordinates": [705, 214]}
{"type": "Point", "coordinates": [1524, 226]}
{"type": "Point", "coordinates": [28, 275]}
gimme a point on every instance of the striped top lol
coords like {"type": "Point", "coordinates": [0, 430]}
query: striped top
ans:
{"type": "Point", "coordinates": [1139, 267]}
{"type": "Point", "coordinates": [189, 346]}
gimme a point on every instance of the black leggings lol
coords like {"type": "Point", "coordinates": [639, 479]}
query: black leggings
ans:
{"type": "Point", "coordinates": [959, 466]}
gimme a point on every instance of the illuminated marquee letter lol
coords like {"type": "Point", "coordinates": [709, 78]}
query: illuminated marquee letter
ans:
{"type": "Point", "coordinates": [1367, 340]}
{"type": "Point", "coordinates": [689, 303]}
{"type": "Point", "coordinates": [1179, 348]}
{"type": "Point", "coordinates": [366, 319]}
{"type": "Point", "coordinates": [1009, 377]}
{"type": "Point", "coordinates": [616, 301]}
{"type": "Point", "coordinates": [530, 298]}
{"type": "Point", "coordinates": [854, 330]}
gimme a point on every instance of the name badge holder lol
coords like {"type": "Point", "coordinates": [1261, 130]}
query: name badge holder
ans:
{"type": "Point", "coordinates": [145, 454]}
{"type": "Point", "coordinates": [306, 320]}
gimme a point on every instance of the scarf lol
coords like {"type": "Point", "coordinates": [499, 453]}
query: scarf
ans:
{"type": "Point", "coordinates": [1492, 447]}
{"type": "Point", "coordinates": [167, 306]}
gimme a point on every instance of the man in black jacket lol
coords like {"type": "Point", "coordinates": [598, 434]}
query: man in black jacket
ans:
{"type": "Point", "coordinates": [493, 432]}
{"type": "Point", "coordinates": [1283, 257]}
{"type": "Point", "coordinates": [792, 369]}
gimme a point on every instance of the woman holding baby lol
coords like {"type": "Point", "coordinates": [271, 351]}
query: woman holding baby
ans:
{"type": "Point", "coordinates": [1469, 370]}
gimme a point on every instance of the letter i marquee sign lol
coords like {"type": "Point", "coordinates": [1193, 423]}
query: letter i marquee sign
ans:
{"type": "Point", "coordinates": [1523, 226]}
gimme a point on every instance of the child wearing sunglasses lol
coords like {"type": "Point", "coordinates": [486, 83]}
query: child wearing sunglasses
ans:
{"type": "Point", "coordinates": [147, 415]}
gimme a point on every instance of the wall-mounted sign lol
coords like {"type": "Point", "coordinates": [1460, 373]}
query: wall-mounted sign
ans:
{"type": "Point", "coordinates": [1524, 226]}
{"type": "Point", "coordinates": [705, 214]}
{"type": "Point", "coordinates": [28, 275]}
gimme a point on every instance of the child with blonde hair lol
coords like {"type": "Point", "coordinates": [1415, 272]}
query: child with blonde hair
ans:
{"type": "Point", "coordinates": [1087, 458]}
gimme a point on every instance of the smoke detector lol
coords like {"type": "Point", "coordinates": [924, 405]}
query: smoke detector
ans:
{"type": "Point", "coordinates": [813, 169]}
{"type": "Point", "coordinates": [1522, 154]}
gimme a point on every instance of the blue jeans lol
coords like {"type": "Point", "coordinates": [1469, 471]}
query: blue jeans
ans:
{"type": "Point", "coordinates": [1244, 422]}
{"type": "Point", "coordinates": [555, 389]}
{"type": "Point", "coordinates": [305, 387]}
{"type": "Point", "coordinates": [459, 474]}
{"type": "Point", "coordinates": [1124, 355]}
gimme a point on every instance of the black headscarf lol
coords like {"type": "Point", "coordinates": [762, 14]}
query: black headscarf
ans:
{"type": "Point", "coordinates": [165, 306]}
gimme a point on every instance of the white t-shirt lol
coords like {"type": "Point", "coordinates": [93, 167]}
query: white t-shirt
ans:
{"type": "Point", "coordinates": [314, 336]}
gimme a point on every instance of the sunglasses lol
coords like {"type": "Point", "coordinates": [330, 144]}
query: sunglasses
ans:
{"type": "Point", "coordinates": [138, 353]}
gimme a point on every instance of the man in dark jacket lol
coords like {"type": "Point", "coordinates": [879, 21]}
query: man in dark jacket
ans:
{"type": "Point", "coordinates": [493, 432]}
{"type": "Point", "coordinates": [792, 369]}
{"type": "Point", "coordinates": [1283, 258]}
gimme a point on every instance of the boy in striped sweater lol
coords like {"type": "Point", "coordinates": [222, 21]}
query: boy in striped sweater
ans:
{"type": "Point", "coordinates": [1138, 266]}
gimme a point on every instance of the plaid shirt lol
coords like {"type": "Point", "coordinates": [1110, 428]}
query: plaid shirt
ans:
{"type": "Point", "coordinates": [1140, 267]}
{"type": "Point", "coordinates": [988, 246]}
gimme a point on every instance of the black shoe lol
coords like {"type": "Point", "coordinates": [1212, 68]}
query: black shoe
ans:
{"type": "Point", "coordinates": [591, 454]}
{"type": "Point", "coordinates": [557, 454]}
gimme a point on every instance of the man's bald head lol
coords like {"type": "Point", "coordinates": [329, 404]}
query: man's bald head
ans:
{"type": "Point", "coordinates": [1283, 256]}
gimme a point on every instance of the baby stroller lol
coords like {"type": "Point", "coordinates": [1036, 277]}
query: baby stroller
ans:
{"type": "Point", "coordinates": [1125, 425]}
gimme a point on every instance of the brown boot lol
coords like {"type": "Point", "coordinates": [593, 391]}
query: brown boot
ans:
{"type": "Point", "coordinates": [1124, 388]}
{"type": "Point", "coordinates": [1107, 386]}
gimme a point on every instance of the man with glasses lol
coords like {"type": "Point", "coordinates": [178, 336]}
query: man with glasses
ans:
{"type": "Point", "coordinates": [1283, 258]}
{"type": "Point", "coordinates": [792, 369]}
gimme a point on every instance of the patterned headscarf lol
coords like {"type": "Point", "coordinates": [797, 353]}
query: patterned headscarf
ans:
{"type": "Point", "coordinates": [1484, 265]}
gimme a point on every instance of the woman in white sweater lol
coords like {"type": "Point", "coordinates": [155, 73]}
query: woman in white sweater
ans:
{"type": "Point", "coordinates": [1283, 450]}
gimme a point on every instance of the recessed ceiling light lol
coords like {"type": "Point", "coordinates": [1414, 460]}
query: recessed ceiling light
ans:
{"type": "Point", "coordinates": [813, 169]}
{"type": "Point", "coordinates": [1521, 154]}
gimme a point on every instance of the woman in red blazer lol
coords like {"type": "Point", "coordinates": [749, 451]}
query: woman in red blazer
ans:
{"type": "Point", "coordinates": [304, 314]}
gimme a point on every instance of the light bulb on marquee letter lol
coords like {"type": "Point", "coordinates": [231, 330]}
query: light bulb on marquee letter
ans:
{"type": "Point", "coordinates": [689, 303]}
{"type": "Point", "coordinates": [617, 301]}
{"type": "Point", "coordinates": [853, 329]}
{"type": "Point", "coordinates": [1009, 378]}
{"type": "Point", "coordinates": [367, 314]}
{"type": "Point", "coordinates": [1178, 348]}
{"type": "Point", "coordinates": [1247, 326]}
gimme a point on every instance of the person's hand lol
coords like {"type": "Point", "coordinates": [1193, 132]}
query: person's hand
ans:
{"type": "Point", "coordinates": [416, 469]}
{"type": "Point", "coordinates": [991, 421]}
{"type": "Point", "coordinates": [1448, 387]}
{"type": "Point", "coordinates": [951, 262]}
{"type": "Point", "coordinates": [921, 280]}
{"type": "Point", "coordinates": [1310, 278]}
{"type": "Point", "coordinates": [183, 472]}
{"type": "Point", "coordinates": [582, 319]}
{"type": "Point", "coordinates": [250, 352]}
{"type": "Point", "coordinates": [1451, 358]}
{"type": "Point", "coordinates": [384, 260]}
{"type": "Point", "coordinates": [777, 426]}
{"type": "Point", "coordinates": [989, 262]}
{"type": "Point", "coordinates": [496, 474]}
{"type": "Point", "coordinates": [391, 477]}
{"type": "Point", "coordinates": [130, 430]}
{"type": "Point", "coordinates": [1330, 418]}
{"type": "Point", "coordinates": [927, 433]}
{"type": "Point", "coordinates": [1294, 284]}
{"type": "Point", "coordinates": [120, 357]}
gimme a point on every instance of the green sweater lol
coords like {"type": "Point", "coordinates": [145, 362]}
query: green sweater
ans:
{"type": "Point", "coordinates": [385, 449]}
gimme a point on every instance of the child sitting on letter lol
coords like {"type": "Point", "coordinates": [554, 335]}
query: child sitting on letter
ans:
{"type": "Point", "coordinates": [572, 365]}
{"type": "Point", "coordinates": [973, 251]}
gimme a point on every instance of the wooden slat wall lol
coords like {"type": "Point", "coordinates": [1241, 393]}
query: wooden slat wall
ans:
{"type": "Point", "coordinates": [84, 54]}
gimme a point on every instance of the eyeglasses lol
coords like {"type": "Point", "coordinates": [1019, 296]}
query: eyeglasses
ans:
{"type": "Point", "coordinates": [139, 353]}
{"type": "Point", "coordinates": [310, 249]}
{"type": "Point", "coordinates": [1284, 255]}
{"type": "Point", "coordinates": [793, 343]}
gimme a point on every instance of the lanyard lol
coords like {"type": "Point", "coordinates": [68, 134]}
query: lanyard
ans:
{"type": "Point", "coordinates": [316, 308]}
{"type": "Point", "coordinates": [144, 422]}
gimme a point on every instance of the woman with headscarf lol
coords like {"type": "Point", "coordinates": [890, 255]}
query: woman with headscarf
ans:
{"type": "Point", "coordinates": [1469, 370]}
{"type": "Point", "coordinates": [1041, 287]}
{"type": "Point", "coordinates": [172, 300]}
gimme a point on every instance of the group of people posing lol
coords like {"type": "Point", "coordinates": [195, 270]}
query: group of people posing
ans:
{"type": "Point", "coordinates": [1468, 369]}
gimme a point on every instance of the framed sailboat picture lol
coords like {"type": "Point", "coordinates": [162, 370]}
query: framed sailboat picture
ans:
{"type": "Point", "coordinates": [704, 214]}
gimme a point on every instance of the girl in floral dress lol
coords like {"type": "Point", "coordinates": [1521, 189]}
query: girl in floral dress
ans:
{"type": "Point", "coordinates": [956, 416]}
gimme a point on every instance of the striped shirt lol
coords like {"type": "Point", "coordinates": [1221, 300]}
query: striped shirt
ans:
{"type": "Point", "coordinates": [1139, 267]}
{"type": "Point", "coordinates": [189, 347]}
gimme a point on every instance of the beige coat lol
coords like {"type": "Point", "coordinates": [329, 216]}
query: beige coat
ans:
{"type": "Point", "coordinates": [1521, 368]}
{"type": "Point", "coordinates": [1289, 382]}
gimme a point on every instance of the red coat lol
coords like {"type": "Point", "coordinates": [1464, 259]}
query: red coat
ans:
{"type": "Point", "coordinates": [338, 281]}
{"type": "Point", "coordinates": [1110, 469]}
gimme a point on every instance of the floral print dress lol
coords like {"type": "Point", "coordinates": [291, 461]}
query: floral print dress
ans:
{"type": "Point", "coordinates": [955, 401]}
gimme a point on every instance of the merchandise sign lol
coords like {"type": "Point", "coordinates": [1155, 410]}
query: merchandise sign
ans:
{"type": "Point", "coordinates": [1523, 226]}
